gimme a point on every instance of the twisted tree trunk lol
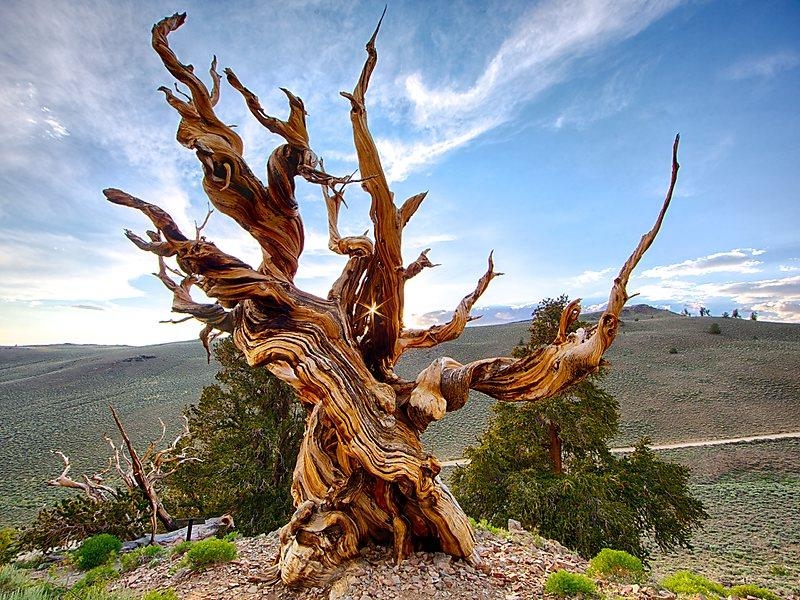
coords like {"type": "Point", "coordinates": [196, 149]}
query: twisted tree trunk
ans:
{"type": "Point", "coordinates": [362, 473]}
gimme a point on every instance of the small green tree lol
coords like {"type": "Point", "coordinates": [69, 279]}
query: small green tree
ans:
{"type": "Point", "coordinates": [548, 465]}
{"type": "Point", "coordinates": [247, 432]}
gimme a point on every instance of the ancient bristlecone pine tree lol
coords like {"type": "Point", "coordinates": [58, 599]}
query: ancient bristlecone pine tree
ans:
{"type": "Point", "coordinates": [362, 473]}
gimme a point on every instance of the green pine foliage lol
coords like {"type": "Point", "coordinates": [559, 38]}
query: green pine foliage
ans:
{"type": "Point", "coordinates": [77, 518]}
{"type": "Point", "coordinates": [247, 431]}
{"type": "Point", "coordinates": [547, 464]}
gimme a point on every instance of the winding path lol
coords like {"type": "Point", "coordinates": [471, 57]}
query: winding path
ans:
{"type": "Point", "coordinates": [674, 446]}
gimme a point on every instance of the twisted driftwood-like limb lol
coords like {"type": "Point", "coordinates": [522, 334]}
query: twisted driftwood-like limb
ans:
{"type": "Point", "coordinates": [362, 473]}
{"type": "Point", "coordinates": [92, 486]}
{"type": "Point", "coordinates": [141, 471]}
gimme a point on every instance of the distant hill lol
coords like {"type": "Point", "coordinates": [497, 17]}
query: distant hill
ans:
{"type": "Point", "coordinates": [743, 381]}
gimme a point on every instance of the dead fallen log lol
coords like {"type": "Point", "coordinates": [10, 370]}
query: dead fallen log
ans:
{"type": "Point", "coordinates": [200, 531]}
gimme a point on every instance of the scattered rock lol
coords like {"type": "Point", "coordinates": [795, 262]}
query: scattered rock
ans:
{"type": "Point", "coordinates": [513, 569]}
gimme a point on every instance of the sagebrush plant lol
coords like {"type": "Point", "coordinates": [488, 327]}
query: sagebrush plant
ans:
{"type": "Point", "coordinates": [616, 565]}
{"type": "Point", "coordinates": [743, 591]}
{"type": "Point", "coordinates": [565, 583]}
{"type": "Point", "coordinates": [181, 548]}
{"type": "Point", "coordinates": [208, 552]}
{"type": "Point", "coordinates": [484, 525]}
{"type": "Point", "coordinates": [8, 536]}
{"type": "Point", "coordinates": [714, 329]}
{"type": "Point", "coordinates": [140, 556]}
{"type": "Point", "coordinates": [96, 577]}
{"type": "Point", "coordinates": [686, 582]}
{"type": "Point", "coordinates": [96, 550]}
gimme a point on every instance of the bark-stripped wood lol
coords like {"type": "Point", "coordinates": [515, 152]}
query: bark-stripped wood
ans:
{"type": "Point", "coordinates": [362, 473]}
{"type": "Point", "coordinates": [142, 471]}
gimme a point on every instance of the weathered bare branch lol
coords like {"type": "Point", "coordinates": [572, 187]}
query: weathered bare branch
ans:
{"type": "Point", "coordinates": [426, 338]}
{"type": "Point", "coordinates": [416, 267]}
{"type": "Point", "coordinates": [92, 487]}
{"type": "Point", "coordinates": [145, 484]}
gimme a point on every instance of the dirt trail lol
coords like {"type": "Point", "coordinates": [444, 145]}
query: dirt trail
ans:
{"type": "Point", "coordinates": [674, 446]}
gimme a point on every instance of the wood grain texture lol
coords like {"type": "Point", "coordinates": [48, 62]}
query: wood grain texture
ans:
{"type": "Point", "coordinates": [362, 473]}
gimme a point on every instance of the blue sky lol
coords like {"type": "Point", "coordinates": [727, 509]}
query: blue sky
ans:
{"type": "Point", "coordinates": [541, 130]}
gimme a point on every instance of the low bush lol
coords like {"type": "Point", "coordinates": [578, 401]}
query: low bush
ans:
{"type": "Point", "coordinates": [96, 577]}
{"type": "Point", "coordinates": [181, 548]}
{"type": "Point", "coordinates": [140, 556]}
{"type": "Point", "coordinates": [208, 552]}
{"type": "Point", "coordinates": [686, 582]}
{"type": "Point", "coordinates": [30, 593]}
{"type": "Point", "coordinates": [77, 518]}
{"type": "Point", "coordinates": [616, 565]}
{"type": "Point", "coordinates": [714, 328]}
{"type": "Point", "coordinates": [673, 350]}
{"type": "Point", "coordinates": [97, 550]}
{"type": "Point", "coordinates": [12, 579]}
{"type": "Point", "coordinates": [484, 525]}
{"type": "Point", "coordinates": [564, 583]}
{"type": "Point", "coordinates": [743, 591]}
{"type": "Point", "coordinates": [8, 536]}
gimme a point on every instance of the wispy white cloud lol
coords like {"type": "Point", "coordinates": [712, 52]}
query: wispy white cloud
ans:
{"type": "Point", "coordinates": [538, 53]}
{"type": "Point", "coordinates": [733, 261]}
{"type": "Point", "coordinates": [765, 66]}
{"type": "Point", "coordinates": [588, 277]}
{"type": "Point", "coordinates": [50, 266]}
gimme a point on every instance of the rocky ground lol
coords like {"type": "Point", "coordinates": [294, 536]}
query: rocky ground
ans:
{"type": "Point", "coordinates": [514, 569]}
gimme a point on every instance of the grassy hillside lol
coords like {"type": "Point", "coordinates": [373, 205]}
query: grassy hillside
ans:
{"type": "Point", "coordinates": [744, 381]}
{"type": "Point", "coordinates": [57, 397]}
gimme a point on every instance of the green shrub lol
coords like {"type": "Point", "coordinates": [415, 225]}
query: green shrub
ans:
{"type": "Point", "coordinates": [673, 350]}
{"type": "Point", "coordinates": [616, 565]}
{"type": "Point", "coordinates": [97, 550]}
{"type": "Point", "coordinates": [12, 579]}
{"type": "Point", "coordinates": [209, 552]}
{"type": "Point", "coordinates": [564, 583]}
{"type": "Point", "coordinates": [140, 556]}
{"type": "Point", "coordinates": [96, 577]}
{"type": "Point", "coordinates": [126, 516]}
{"type": "Point", "coordinates": [779, 570]}
{"type": "Point", "coordinates": [743, 591]}
{"type": "Point", "coordinates": [30, 593]}
{"type": "Point", "coordinates": [168, 594]}
{"type": "Point", "coordinates": [484, 525]}
{"type": "Point", "coordinates": [714, 328]}
{"type": "Point", "coordinates": [686, 582]}
{"type": "Point", "coordinates": [181, 548]}
{"type": "Point", "coordinates": [8, 536]}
